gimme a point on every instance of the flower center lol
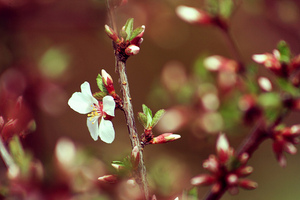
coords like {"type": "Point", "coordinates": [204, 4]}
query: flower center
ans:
{"type": "Point", "coordinates": [96, 112]}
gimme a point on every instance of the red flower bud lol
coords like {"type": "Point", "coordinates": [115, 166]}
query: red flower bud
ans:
{"type": "Point", "coordinates": [112, 34]}
{"type": "Point", "coordinates": [203, 179]}
{"type": "Point", "coordinates": [211, 164]}
{"type": "Point", "coordinates": [108, 82]}
{"type": "Point", "coordinates": [223, 149]}
{"type": "Point", "coordinates": [248, 184]}
{"type": "Point", "coordinates": [132, 50]}
{"type": "Point", "coordinates": [166, 137]}
{"type": "Point", "coordinates": [193, 16]}
{"type": "Point", "coordinates": [108, 178]}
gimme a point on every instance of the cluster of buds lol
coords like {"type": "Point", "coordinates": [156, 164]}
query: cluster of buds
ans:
{"type": "Point", "coordinates": [128, 42]}
{"type": "Point", "coordinates": [281, 63]}
{"type": "Point", "coordinates": [270, 61]}
{"type": "Point", "coordinates": [284, 139]}
{"type": "Point", "coordinates": [226, 169]}
{"type": "Point", "coordinates": [148, 121]}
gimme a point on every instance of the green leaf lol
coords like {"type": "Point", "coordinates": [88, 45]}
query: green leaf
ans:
{"type": "Point", "coordinates": [100, 84]}
{"type": "Point", "coordinates": [158, 115]}
{"type": "Point", "coordinates": [118, 163]}
{"type": "Point", "coordinates": [285, 52]}
{"type": "Point", "coordinates": [142, 119]}
{"type": "Point", "coordinates": [129, 28]}
{"type": "Point", "coordinates": [136, 32]}
{"type": "Point", "coordinates": [20, 157]}
{"type": "Point", "coordinates": [226, 8]}
{"type": "Point", "coordinates": [146, 110]}
{"type": "Point", "coordinates": [123, 33]}
{"type": "Point", "coordinates": [149, 120]}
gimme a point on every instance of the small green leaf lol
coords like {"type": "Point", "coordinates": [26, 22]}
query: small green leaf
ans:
{"type": "Point", "coordinates": [149, 120]}
{"type": "Point", "coordinates": [123, 33]}
{"type": "Point", "coordinates": [118, 163]}
{"type": "Point", "coordinates": [146, 110]}
{"type": "Point", "coordinates": [158, 115]}
{"type": "Point", "coordinates": [129, 28]}
{"type": "Point", "coordinates": [136, 32]}
{"type": "Point", "coordinates": [20, 157]}
{"type": "Point", "coordinates": [142, 119]}
{"type": "Point", "coordinates": [100, 84]}
{"type": "Point", "coordinates": [226, 8]}
{"type": "Point", "coordinates": [285, 52]}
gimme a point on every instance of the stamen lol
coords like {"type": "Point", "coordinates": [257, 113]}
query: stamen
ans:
{"type": "Point", "coordinates": [95, 113]}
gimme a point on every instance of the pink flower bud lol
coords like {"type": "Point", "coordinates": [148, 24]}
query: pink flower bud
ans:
{"type": "Point", "coordinates": [166, 137]}
{"type": "Point", "coordinates": [132, 50]}
{"type": "Point", "coordinates": [219, 63]}
{"type": "Point", "coordinates": [108, 82]}
{"type": "Point", "coordinates": [108, 178]}
{"type": "Point", "coordinates": [222, 147]}
{"type": "Point", "coordinates": [244, 171]}
{"type": "Point", "coordinates": [203, 179]}
{"type": "Point", "coordinates": [193, 16]}
{"type": "Point", "coordinates": [265, 84]}
{"type": "Point", "coordinates": [270, 61]}
{"type": "Point", "coordinates": [248, 184]}
{"type": "Point", "coordinates": [244, 158]}
{"type": "Point", "coordinates": [289, 148]}
{"type": "Point", "coordinates": [111, 34]}
{"type": "Point", "coordinates": [211, 164]}
{"type": "Point", "coordinates": [232, 179]}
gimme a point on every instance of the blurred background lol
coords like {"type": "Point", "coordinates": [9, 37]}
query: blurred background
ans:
{"type": "Point", "coordinates": [48, 48]}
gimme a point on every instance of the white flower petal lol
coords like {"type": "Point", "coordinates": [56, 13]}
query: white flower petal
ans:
{"type": "Point", "coordinates": [93, 127]}
{"type": "Point", "coordinates": [109, 105]}
{"type": "Point", "coordinates": [81, 103]}
{"type": "Point", "coordinates": [106, 131]}
{"type": "Point", "coordinates": [86, 89]}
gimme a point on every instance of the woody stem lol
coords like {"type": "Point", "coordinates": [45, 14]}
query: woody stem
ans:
{"type": "Point", "coordinates": [140, 173]}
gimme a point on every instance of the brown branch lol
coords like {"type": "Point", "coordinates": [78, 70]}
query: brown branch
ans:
{"type": "Point", "coordinates": [140, 173]}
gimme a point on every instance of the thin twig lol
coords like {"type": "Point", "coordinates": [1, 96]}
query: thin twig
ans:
{"type": "Point", "coordinates": [140, 173]}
